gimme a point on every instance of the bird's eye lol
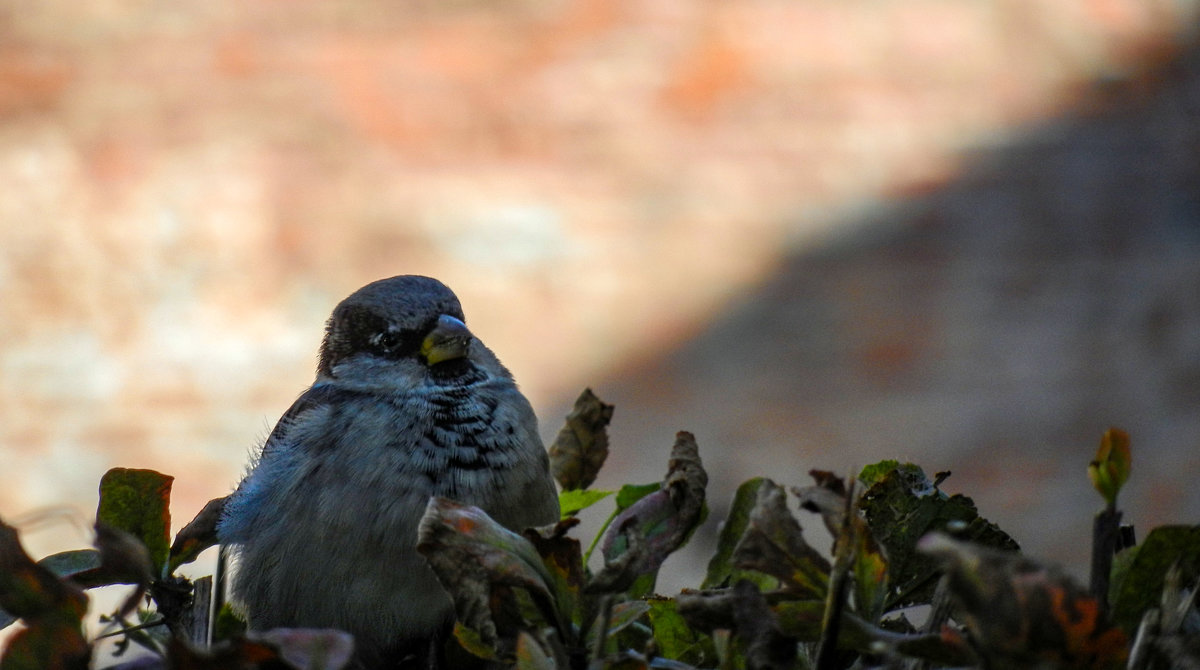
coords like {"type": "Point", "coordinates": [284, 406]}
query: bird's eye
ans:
{"type": "Point", "coordinates": [388, 340]}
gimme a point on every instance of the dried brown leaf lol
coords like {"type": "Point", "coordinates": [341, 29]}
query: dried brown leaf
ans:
{"type": "Point", "coordinates": [581, 447]}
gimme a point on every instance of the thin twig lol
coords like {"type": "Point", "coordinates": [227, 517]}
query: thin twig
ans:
{"type": "Point", "coordinates": [831, 622]}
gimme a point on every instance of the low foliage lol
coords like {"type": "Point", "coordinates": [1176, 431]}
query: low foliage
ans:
{"type": "Point", "coordinates": [769, 600]}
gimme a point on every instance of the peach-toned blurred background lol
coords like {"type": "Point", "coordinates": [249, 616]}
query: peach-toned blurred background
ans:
{"type": "Point", "coordinates": [817, 233]}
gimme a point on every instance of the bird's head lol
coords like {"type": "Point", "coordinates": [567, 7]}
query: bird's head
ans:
{"type": "Point", "coordinates": [402, 332]}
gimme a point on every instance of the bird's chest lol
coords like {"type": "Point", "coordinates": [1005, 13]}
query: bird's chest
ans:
{"type": "Point", "coordinates": [393, 456]}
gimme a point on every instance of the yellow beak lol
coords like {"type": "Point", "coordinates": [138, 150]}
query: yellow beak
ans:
{"type": "Point", "coordinates": [448, 340]}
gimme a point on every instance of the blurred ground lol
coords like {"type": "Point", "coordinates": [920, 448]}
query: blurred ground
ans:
{"type": "Point", "coordinates": [994, 327]}
{"type": "Point", "coordinates": [815, 233]}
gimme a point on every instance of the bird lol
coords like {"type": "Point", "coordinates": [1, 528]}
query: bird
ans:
{"type": "Point", "coordinates": [407, 404]}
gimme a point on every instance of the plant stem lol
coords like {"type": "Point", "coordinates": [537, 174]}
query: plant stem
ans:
{"type": "Point", "coordinates": [1106, 529]}
{"type": "Point", "coordinates": [587, 556]}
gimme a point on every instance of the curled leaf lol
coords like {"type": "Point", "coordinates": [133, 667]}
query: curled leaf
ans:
{"type": "Point", "coordinates": [581, 447]}
{"type": "Point", "coordinates": [486, 568]}
{"type": "Point", "coordinates": [642, 536]}
{"type": "Point", "coordinates": [198, 535]}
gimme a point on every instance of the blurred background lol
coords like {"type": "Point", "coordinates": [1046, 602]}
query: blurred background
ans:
{"type": "Point", "coordinates": [816, 233]}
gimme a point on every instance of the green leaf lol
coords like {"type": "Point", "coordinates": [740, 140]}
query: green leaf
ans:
{"type": "Point", "coordinates": [625, 614]}
{"type": "Point", "coordinates": [870, 571]}
{"type": "Point", "coordinates": [138, 502]}
{"type": "Point", "coordinates": [575, 501]}
{"type": "Point", "coordinates": [622, 616]}
{"type": "Point", "coordinates": [720, 567]}
{"type": "Point", "coordinates": [228, 624]}
{"type": "Point", "coordinates": [631, 493]}
{"type": "Point", "coordinates": [677, 640]}
{"type": "Point", "coordinates": [876, 472]}
{"type": "Point", "coordinates": [1139, 572]}
{"type": "Point", "coordinates": [744, 609]}
{"type": "Point", "coordinates": [71, 564]}
{"type": "Point", "coordinates": [903, 506]}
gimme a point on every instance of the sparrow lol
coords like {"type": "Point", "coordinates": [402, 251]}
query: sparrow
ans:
{"type": "Point", "coordinates": [407, 404]}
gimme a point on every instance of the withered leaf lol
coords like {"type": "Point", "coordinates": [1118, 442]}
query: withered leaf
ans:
{"type": "Point", "coordinates": [240, 653]}
{"type": "Point", "coordinates": [51, 608]}
{"type": "Point", "coordinates": [485, 567]}
{"type": "Point", "coordinates": [581, 447]}
{"type": "Point", "coordinates": [310, 648]}
{"type": "Point", "coordinates": [199, 534]}
{"type": "Point", "coordinates": [868, 564]}
{"type": "Point", "coordinates": [827, 497]}
{"type": "Point", "coordinates": [774, 544]}
{"type": "Point", "coordinates": [124, 560]}
{"type": "Point", "coordinates": [743, 609]}
{"type": "Point", "coordinates": [563, 559]}
{"type": "Point", "coordinates": [801, 620]}
{"type": "Point", "coordinates": [642, 536]}
{"type": "Point", "coordinates": [767, 648]}
{"type": "Point", "coordinates": [1022, 614]}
